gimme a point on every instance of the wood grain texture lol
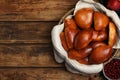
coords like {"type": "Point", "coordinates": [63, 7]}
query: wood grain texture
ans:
{"type": "Point", "coordinates": [34, 10]}
{"type": "Point", "coordinates": [26, 32]}
{"type": "Point", "coordinates": [40, 74]}
{"type": "Point", "coordinates": [22, 55]}
{"type": "Point", "coordinates": [26, 51]}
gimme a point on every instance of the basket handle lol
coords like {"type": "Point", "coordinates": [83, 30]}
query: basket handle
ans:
{"type": "Point", "coordinates": [68, 13]}
{"type": "Point", "coordinates": [114, 55]}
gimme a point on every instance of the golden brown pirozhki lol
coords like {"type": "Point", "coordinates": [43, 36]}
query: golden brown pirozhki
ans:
{"type": "Point", "coordinates": [112, 34]}
{"type": "Point", "coordinates": [89, 36]}
{"type": "Point", "coordinates": [70, 23]}
{"type": "Point", "coordinates": [83, 18]}
{"type": "Point", "coordinates": [100, 21]}
{"type": "Point", "coordinates": [100, 54]}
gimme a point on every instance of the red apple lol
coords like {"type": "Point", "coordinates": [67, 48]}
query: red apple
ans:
{"type": "Point", "coordinates": [114, 4]}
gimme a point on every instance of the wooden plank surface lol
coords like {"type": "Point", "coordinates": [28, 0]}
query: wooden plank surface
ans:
{"type": "Point", "coordinates": [26, 44]}
{"type": "Point", "coordinates": [40, 74]}
{"type": "Point", "coordinates": [26, 32]}
{"type": "Point", "coordinates": [25, 40]}
{"type": "Point", "coordinates": [22, 55]}
{"type": "Point", "coordinates": [34, 10]}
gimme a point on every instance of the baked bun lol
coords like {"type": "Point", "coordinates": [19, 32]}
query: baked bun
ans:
{"type": "Point", "coordinates": [112, 34]}
{"type": "Point", "coordinates": [100, 21]}
{"type": "Point", "coordinates": [100, 54]}
{"type": "Point", "coordinates": [70, 23]}
{"type": "Point", "coordinates": [84, 17]}
{"type": "Point", "coordinates": [83, 38]}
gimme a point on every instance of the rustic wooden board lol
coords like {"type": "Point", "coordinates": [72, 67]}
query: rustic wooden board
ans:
{"type": "Point", "coordinates": [34, 10]}
{"type": "Point", "coordinates": [26, 44]}
{"type": "Point", "coordinates": [26, 32]}
{"type": "Point", "coordinates": [40, 74]}
{"type": "Point", "coordinates": [22, 55]}
{"type": "Point", "coordinates": [25, 41]}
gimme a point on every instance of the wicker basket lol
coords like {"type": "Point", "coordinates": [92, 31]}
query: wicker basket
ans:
{"type": "Point", "coordinates": [115, 51]}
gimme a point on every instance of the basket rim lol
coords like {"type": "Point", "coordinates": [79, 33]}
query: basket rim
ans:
{"type": "Point", "coordinates": [70, 12]}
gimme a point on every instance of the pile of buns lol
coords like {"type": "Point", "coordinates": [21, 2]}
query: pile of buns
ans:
{"type": "Point", "coordinates": [89, 36]}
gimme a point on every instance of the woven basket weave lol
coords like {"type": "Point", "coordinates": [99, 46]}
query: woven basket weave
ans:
{"type": "Point", "coordinates": [115, 51]}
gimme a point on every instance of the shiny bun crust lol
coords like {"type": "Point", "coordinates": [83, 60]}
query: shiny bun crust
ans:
{"type": "Point", "coordinates": [89, 36]}
{"type": "Point", "coordinates": [83, 18]}
{"type": "Point", "coordinates": [112, 34]}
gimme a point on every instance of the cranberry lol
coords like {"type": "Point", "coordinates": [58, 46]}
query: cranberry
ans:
{"type": "Point", "coordinates": [112, 69]}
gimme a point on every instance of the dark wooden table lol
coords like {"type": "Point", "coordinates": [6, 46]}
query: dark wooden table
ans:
{"type": "Point", "coordinates": [25, 40]}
